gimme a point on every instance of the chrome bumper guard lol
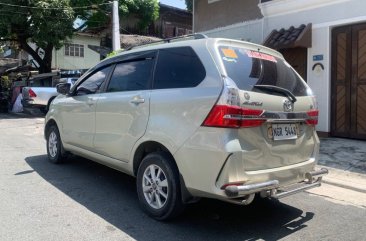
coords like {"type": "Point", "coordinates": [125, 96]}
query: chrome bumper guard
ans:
{"type": "Point", "coordinates": [271, 188]}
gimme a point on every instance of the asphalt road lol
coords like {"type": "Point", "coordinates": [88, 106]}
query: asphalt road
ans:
{"type": "Point", "coordinates": [82, 200]}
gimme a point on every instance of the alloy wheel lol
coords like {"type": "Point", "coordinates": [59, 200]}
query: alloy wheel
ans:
{"type": "Point", "coordinates": [155, 186]}
{"type": "Point", "coordinates": [52, 144]}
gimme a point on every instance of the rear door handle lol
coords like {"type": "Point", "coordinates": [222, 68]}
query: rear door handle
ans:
{"type": "Point", "coordinates": [137, 100]}
{"type": "Point", "coordinates": [90, 102]}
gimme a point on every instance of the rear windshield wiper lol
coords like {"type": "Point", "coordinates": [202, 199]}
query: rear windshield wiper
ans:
{"type": "Point", "coordinates": [277, 89]}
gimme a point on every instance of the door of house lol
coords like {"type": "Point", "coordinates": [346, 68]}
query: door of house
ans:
{"type": "Point", "coordinates": [348, 82]}
{"type": "Point", "coordinates": [297, 58]}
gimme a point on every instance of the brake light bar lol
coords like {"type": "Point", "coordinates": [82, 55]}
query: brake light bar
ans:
{"type": "Point", "coordinates": [228, 116]}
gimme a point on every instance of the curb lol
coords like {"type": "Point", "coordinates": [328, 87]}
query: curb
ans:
{"type": "Point", "coordinates": [345, 179]}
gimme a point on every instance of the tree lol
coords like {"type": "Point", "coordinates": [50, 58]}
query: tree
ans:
{"type": "Point", "coordinates": [146, 11]}
{"type": "Point", "coordinates": [189, 4]}
{"type": "Point", "coordinates": [50, 23]}
{"type": "Point", "coordinates": [46, 23]}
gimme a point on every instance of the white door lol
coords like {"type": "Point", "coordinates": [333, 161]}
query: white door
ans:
{"type": "Point", "coordinates": [78, 110]}
{"type": "Point", "coordinates": [122, 112]}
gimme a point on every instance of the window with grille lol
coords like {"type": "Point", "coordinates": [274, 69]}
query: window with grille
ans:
{"type": "Point", "coordinates": [76, 50]}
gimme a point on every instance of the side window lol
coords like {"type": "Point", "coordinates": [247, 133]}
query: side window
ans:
{"type": "Point", "coordinates": [128, 76]}
{"type": "Point", "coordinates": [178, 68]}
{"type": "Point", "coordinates": [93, 83]}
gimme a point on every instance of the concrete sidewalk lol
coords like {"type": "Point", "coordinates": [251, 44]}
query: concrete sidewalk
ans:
{"type": "Point", "coordinates": [346, 162]}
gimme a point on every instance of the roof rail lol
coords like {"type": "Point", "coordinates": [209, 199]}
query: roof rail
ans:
{"type": "Point", "coordinates": [168, 40]}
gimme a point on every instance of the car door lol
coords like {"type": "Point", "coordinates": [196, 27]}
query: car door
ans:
{"type": "Point", "coordinates": [122, 112]}
{"type": "Point", "coordinates": [78, 110]}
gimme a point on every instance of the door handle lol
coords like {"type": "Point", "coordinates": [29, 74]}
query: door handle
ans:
{"type": "Point", "coordinates": [137, 100]}
{"type": "Point", "coordinates": [90, 103]}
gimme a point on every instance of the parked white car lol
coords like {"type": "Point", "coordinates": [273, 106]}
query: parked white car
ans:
{"type": "Point", "coordinates": [41, 97]}
{"type": "Point", "coordinates": [204, 117]}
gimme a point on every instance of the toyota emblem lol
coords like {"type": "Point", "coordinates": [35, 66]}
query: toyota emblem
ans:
{"type": "Point", "coordinates": [288, 106]}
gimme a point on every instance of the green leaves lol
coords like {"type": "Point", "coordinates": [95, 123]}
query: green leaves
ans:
{"type": "Point", "coordinates": [145, 11]}
{"type": "Point", "coordinates": [189, 4]}
{"type": "Point", "coordinates": [46, 23]}
{"type": "Point", "coordinates": [50, 23]}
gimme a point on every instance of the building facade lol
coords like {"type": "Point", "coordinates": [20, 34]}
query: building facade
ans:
{"type": "Point", "coordinates": [171, 22]}
{"type": "Point", "coordinates": [76, 54]}
{"type": "Point", "coordinates": [326, 40]}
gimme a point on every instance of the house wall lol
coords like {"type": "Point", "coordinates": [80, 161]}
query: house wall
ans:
{"type": "Point", "coordinates": [324, 16]}
{"type": "Point", "coordinates": [209, 14]}
{"type": "Point", "coordinates": [171, 22]}
{"type": "Point", "coordinates": [250, 31]}
{"type": "Point", "coordinates": [91, 58]}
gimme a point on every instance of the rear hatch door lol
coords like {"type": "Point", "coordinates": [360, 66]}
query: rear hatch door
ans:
{"type": "Point", "coordinates": [279, 127]}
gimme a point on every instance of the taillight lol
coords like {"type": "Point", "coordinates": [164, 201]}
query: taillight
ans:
{"type": "Point", "coordinates": [228, 116]}
{"type": "Point", "coordinates": [31, 93]}
{"type": "Point", "coordinates": [312, 117]}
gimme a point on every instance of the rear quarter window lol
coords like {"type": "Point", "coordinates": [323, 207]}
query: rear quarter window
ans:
{"type": "Point", "coordinates": [178, 68]}
{"type": "Point", "coordinates": [248, 68]}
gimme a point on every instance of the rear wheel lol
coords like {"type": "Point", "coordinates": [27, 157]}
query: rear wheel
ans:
{"type": "Point", "coordinates": [55, 151]}
{"type": "Point", "coordinates": [158, 186]}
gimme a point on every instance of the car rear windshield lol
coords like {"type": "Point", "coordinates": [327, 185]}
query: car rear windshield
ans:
{"type": "Point", "coordinates": [248, 68]}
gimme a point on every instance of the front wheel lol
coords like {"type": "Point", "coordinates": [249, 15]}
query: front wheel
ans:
{"type": "Point", "coordinates": [55, 150]}
{"type": "Point", "coordinates": [158, 186]}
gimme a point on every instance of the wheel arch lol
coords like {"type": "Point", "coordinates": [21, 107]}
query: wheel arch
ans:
{"type": "Point", "coordinates": [50, 123]}
{"type": "Point", "coordinates": [49, 102]}
{"type": "Point", "coordinates": [148, 147]}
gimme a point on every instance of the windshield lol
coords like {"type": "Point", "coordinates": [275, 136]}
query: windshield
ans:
{"type": "Point", "coordinates": [248, 68]}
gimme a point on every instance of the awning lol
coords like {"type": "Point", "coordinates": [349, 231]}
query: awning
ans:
{"type": "Point", "coordinates": [290, 38]}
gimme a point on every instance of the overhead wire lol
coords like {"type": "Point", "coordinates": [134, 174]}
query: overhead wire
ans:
{"type": "Point", "coordinates": [54, 8]}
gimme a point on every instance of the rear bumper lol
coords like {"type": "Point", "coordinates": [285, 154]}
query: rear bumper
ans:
{"type": "Point", "coordinates": [271, 188]}
{"type": "Point", "coordinates": [30, 103]}
{"type": "Point", "coordinates": [215, 158]}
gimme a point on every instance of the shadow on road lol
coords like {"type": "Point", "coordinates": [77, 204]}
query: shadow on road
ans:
{"type": "Point", "coordinates": [22, 115]}
{"type": "Point", "coordinates": [111, 195]}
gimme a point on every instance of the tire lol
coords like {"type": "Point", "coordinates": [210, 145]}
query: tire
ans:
{"type": "Point", "coordinates": [55, 151]}
{"type": "Point", "coordinates": [162, 197]}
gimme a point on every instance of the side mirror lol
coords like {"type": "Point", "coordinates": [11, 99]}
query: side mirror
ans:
{"type": "Point", "coordinates": [63, 88]}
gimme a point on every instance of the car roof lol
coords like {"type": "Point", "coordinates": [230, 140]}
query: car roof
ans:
{"type": "Point", "coordinates": [179, 42]}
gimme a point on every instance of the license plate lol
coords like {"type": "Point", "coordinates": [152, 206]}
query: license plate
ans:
{"type": "Point", "coordinates": [284, 131]}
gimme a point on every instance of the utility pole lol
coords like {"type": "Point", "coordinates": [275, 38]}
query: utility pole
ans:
{"type": "Point", "coordinates": [116, 41]}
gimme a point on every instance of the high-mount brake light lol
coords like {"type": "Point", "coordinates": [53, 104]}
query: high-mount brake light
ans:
{"type": "Point", "coordinates": [312, 117]}
{"type": "Point", "coordinates": [31, 93]}
{"type": "Point", "coordinates": [228, 116]}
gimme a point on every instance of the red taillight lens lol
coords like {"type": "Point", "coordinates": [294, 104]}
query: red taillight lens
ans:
{"type": "Point", "coordinates": [312, 117]}
{"type": "Point", "coordinates": [233, 117]}
{"type": "Point", "coordinates": [31, 93]}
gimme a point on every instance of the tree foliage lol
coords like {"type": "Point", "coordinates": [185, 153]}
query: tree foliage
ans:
{"type": "Point", "coordinates": [39, 22]}
{"type": "Point", "coordinates": [50, 23]}
{"type": "Point", "coordinates": [189, 4]}
{"type": "Point", "coordinates": [146, 11]}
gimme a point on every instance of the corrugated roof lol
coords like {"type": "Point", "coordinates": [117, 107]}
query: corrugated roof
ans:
{"type": "Point", "coordinates": [290, 38]}
{"type": "Point", "coordinates": [133, 40]}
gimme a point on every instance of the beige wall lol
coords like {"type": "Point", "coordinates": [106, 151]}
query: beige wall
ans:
{"type": "Point", "coordinates": [221, 13]}
{"type": "Point", "coordinates": [91, 58]}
